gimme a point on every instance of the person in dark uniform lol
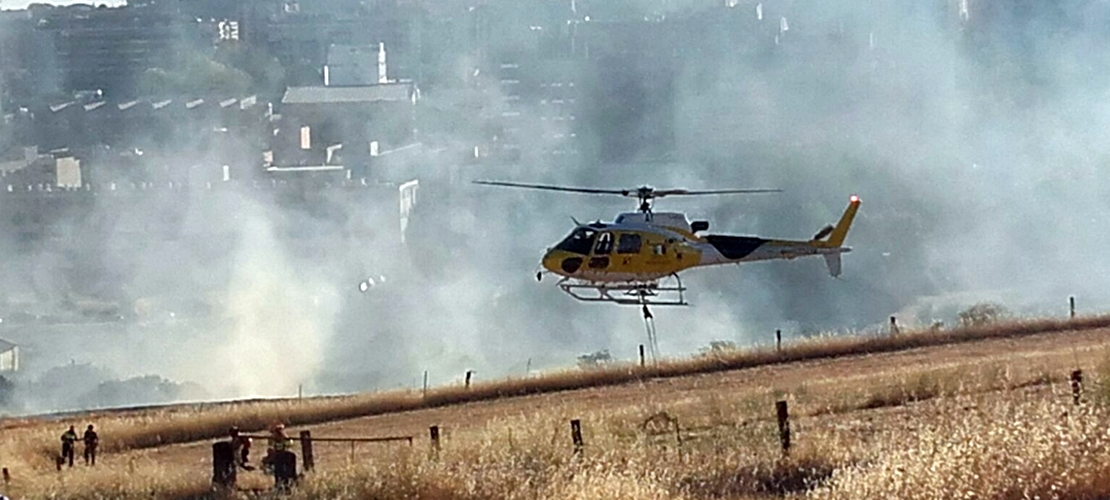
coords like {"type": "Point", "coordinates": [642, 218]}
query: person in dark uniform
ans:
{"type": "Point", "coordinates": [91, 442]}
{"type": "Point", "coordinates": [68, 440]}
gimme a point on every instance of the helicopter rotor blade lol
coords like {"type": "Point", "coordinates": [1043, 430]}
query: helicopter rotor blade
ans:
{"type": "Point", "coordinates": [548, 187]}
{"type": "Point", "coordinates": [686, 192]}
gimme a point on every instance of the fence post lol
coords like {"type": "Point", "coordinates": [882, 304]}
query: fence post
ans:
{"type": "Point", "coordinates": [576, 435]}
{"type": "Point", "coordinates": [433, 432]}
{"type": "Point", "coordinates": [425, 384]}
{"type": "Point", "coordinates": [1076, 385]}
{"type": "Point", "coordinates": [7, 476]}
{"type": "Point", "coordinates": [778, 340]}
{"type": "Point", "coordinates": [642, 356]}
{"type": "Point", "coordinates": [468, 374]}
{"type": "Point", "coordinates": [1071, 306]}
{"type": "Point", "coordinates": [285, 470]}
{"type": "Point", "coordinates": [223, 465]}
{"type": "Point", "coordinates": [306, 451]}
{"type": "Point", "coordinates": [784, 425]}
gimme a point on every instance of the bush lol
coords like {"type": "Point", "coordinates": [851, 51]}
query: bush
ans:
{"type": "Point", "coordinates": [717, 347]}
{"type": "Point", "coordinates": [983, 313]}
{"type": "Point", "coordinates": [594, 360]}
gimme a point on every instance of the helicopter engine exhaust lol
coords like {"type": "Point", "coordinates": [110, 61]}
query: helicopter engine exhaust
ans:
{"type": "Point", "coordinates": [825, 231]}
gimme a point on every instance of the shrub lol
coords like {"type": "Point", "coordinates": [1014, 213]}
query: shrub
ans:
{"type": "Point", "coordinates": [981, 314]}
{"type": "Point", "coordinates": [594, 360]}
{"type": "Point", "coordinates": [718, 347]}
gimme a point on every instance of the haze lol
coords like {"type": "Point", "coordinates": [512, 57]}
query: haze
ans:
{"type": "Point", "coordinates": [971, 130]}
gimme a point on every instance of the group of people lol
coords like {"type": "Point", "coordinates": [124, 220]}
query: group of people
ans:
{"type": "Point", "coordinates": [69, 442]}
{"type": "Point", "coordinates": [277, 441]}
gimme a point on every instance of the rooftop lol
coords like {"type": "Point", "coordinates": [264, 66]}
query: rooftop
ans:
{"type": "Point", "coordinates": [364, 93]}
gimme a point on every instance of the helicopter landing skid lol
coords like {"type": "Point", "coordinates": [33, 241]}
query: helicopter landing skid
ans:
{"type": "Point", "coordinates": [631, 294]}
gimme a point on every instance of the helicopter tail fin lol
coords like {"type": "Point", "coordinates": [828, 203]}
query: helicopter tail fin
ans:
{"type": "Point", "coordinates": [832, 260]}
{"type": "Point", "coordinates": [840, 232]}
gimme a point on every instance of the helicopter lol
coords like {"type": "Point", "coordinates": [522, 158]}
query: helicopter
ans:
{"type": "Point", "coordinates": [636, 259]}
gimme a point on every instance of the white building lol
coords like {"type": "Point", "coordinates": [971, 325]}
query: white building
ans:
{"type": "Point", "coordinates": [9, 357]}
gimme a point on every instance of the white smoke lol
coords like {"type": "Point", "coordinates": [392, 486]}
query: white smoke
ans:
{"type": "Point", "coordinates": [278, 318]}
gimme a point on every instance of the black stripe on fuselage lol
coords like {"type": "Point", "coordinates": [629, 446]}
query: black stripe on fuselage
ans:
{"type": "Point", "coordinates": [735, 247]}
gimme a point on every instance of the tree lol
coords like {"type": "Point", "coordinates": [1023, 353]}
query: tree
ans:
{"type": "Point", "coordinates": [196, 74]}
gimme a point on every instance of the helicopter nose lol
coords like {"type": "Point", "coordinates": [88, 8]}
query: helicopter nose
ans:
{"type": "Point", "coordinates": [561, 263]}
{"type": "Point", "coordinates": [550, 261]}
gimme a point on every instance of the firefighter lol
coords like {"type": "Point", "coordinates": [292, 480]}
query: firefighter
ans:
{"type": "Point", "coordinates": [242, 448]}
{"type": "Point", "coordinates": [278, 441]}
{"type": "Point", "coordinates": [68, 440]}
{"type": "Point", "coordinates": [91, 442]}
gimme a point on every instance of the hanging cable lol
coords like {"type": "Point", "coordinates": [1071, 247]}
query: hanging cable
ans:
{"type": "Point", "coordinates": [653, 342]}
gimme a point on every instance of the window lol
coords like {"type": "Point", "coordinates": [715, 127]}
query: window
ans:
{"type": "Point", "coordinates": [578, 242]}
{"type": "Point", "coordinates": [604, 244]}
{"type": "Point", "coordinates": [629, 243]}
{"type": "Point", "coordinates": [306, 137]}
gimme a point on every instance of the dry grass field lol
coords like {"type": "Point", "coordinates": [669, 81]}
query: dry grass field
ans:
{"type": "Point", "coordinates": [975, 413]}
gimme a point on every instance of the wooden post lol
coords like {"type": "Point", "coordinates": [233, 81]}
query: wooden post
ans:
{"type": "Point", "coordinates": [1076, 385]}
{"type": "Point", "coordinates": [642, 356]}
{"type": "Point", "coordinates": [300, 391]}
{"type": "Point", "coordinates": [425, 384]}
{"type": "Point", "coordinates": [784, 425]}
{"type": "Point", "coordinates": [1071, 306]}
{"type": "Point", "coordinates": [7, 476]}
{"type": "Point", "coordinates": [778, 340]}
{"type": "Point", "coordinates": [576, 435]}
{"type": "Point", "coordinates": [433, 432]}
{"type": "Point", "coordinates": [306, 451]}
{"type": "Point", "coordinates": [223, 465]}
{"type": "Point", "coordinates": [285, 470]}
{"type": "Point", "coordinates": [468, 374]}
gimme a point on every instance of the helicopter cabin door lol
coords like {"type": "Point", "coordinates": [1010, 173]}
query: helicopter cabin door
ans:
{"type": "Point", "coordinates": [628, 257]}
{"type": "Point", "coordinates": [603, 247]}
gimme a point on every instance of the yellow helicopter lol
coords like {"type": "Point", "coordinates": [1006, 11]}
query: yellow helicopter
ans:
{"type": "Point", "coordinates": [637, 258]}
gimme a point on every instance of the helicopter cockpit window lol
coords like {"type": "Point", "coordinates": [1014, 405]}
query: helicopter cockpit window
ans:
{"type": "Point", "coordinates": [578, 242]}
{"type": "Point", "coordinates": [629, 243]}
{"type": "Point", "coordinates": [604, 244]}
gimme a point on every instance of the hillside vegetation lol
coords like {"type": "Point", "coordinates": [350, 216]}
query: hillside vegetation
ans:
{"type": "Point", "coordinates": [997, 426]}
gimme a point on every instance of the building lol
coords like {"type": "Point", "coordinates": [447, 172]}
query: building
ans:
{"type": "Point", "coordinates": [352, 65]}
{"type": "Point", "coordinates": [302, 34]}
{"type": "Point", "coordinates": [539, 112]}
{"type": "Point", "coordinates": [9, 357]}
{"type": "Point", "coordinates": [341, 128]}
{"type": "Point", "coordinates": [97, 140]}
{"type": "Point", "coordinates": [629, 89]}
{"type": "Point", "coordinates": [110, 49]}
